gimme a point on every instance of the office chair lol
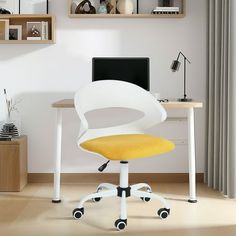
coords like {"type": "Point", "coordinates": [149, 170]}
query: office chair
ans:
{"type": "Point", "coordinates": [121, 143]}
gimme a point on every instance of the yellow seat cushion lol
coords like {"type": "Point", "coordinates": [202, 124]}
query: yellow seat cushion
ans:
{"type": "Point", "coordinates": [128, 146]}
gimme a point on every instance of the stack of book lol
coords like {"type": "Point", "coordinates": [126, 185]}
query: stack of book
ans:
{"type": "Point", "coordinates": [166, 10]}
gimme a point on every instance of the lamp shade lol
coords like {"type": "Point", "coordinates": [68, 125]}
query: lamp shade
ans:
{"type": "Point", "coordinates": [175, 65]}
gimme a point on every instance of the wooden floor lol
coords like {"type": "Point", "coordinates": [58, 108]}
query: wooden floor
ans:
{"type": "Point", "coordinates": [32, 213]}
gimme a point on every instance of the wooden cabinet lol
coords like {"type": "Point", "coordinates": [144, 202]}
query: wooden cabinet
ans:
{"type": "Point", "coordinates": [13, 164]}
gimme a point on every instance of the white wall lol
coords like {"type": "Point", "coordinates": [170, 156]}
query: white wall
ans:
{"type": "Point", "coordinates": [11, 5]}
{"type": "Point", "coordinates": [42, 74]}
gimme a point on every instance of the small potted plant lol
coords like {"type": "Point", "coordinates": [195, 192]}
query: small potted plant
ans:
{"type": "Point", "coordinates": [10, 127]}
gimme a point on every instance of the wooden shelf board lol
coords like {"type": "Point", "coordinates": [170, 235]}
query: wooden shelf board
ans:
{"type": "Point", "coordinates": [6, 16]}
{"type": "Point", "coordinates": [166, 16]}
{"type": "Point", "coordinates": [126, 16]}
{"type": "Point", "coordinates": [27, 42]}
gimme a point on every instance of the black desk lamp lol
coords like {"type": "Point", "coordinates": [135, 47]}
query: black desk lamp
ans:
{"type": "Point", "coordinates": [175, 67]}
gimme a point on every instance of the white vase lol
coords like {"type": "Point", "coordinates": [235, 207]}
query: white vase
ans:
{"type": "Point", "coordinates": [125, 6]}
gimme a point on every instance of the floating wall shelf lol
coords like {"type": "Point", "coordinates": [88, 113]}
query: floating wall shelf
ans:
{"type": "Point", "coordinates": [180, 3]}
{"type": "Point", "coordinates": [22, 20]}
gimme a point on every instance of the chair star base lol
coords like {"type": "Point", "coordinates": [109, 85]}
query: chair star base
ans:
{"type": "Point", "coordinates": [123, 191]}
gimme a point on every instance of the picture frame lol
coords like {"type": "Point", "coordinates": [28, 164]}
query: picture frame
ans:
{"type": "Point", "coordinates": [15, 32]}
{"type": "Point", "coordinates": [37, 30]}
{"type": "Point", "coordinates": [34, 30]}
{"type": "Point", "coordinates": [33, 6]}
{"type": "Point", "coordinates": [4, 29]}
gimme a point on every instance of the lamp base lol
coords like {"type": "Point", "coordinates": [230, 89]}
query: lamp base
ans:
{"type": "Point", "coordinates": [185, 99]}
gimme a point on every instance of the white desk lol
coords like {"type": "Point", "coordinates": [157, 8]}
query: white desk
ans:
{"type": "Point", "coordinates": [69, 103]}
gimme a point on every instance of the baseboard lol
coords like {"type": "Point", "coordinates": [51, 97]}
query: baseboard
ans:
{"type": "Point", "coordinates": [114, 177]}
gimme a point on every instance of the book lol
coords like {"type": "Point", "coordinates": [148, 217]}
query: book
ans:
{"type": "Point", "coordinates": [34, 38]}
{"type": "Point", "coordinates": [44, 30]}
{"type": "Point", "coordinates": [166, 9]}
{"type": "Point", "coordinates": [169, 10]}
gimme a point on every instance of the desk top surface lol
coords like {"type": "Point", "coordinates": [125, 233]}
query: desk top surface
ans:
{"type": "Point", "coordinates": [69, 103]}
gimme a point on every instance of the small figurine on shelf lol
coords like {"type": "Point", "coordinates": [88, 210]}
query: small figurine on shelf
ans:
{"type": "Point", "coordinates": [4, 11]}
{"type": "Point", "coordinates": [111, 6]}
{"type": "Point", "coordinates": [85, 7]}
{"type": "Point", "coordinates": [102, 9]}
{"type": "Point", "coordinates": [125, 7]}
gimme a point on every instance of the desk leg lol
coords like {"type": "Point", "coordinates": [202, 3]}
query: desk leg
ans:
{"type": "Point", "coordinates": [57, 170]}
{"type": "Point", "coordinates": [191, 156]}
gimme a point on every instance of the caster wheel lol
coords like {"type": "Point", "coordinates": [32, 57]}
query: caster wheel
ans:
{"type": "Point", "coordinates": [77, 213]}
{"type": "Point", "coordinates": [163, 213]}
{"type": "Point", "coordinates": [96, 199]}
{"type": "Point", "coordinates": [145, 199]}
{"type": "Point", "coordinates": [120, 224]}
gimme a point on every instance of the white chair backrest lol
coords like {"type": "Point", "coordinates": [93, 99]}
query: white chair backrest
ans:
{"type": "Point", "coordinates": [117, 94]}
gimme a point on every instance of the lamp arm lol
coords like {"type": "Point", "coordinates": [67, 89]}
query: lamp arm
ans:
{"type": "Point", "coordinates": [180, 53]}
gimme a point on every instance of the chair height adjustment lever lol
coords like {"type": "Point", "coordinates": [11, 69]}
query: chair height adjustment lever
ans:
{"type": "Point", "coordinates": [103, 167]}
